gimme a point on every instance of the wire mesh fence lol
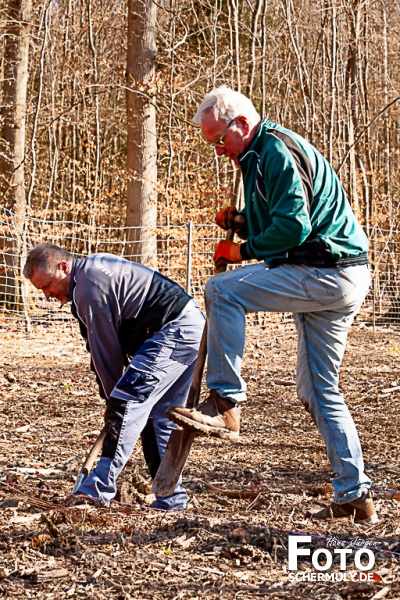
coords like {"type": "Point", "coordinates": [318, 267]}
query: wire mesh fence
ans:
{"type": "Point", "coordinates": [183, 253]}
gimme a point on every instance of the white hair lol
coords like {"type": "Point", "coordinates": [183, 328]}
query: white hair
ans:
{"type": "Point", "coordinates": [226, 104]}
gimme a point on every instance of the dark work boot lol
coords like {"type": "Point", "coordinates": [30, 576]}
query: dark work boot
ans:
{"type": "Point", "coordinates": [361, 510]}
{"type": "Point", "coordinates": [216, 416]}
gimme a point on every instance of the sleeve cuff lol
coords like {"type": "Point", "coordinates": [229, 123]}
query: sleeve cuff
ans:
{"type": "Point", "coordinates": [243, 252]}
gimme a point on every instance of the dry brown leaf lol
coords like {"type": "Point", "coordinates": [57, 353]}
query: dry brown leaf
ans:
{"type": "Point", "coordinates": [39, 540]}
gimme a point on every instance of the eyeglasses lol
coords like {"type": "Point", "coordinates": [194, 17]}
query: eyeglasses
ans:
{"type": "Point", "coordinates": [220, 141]}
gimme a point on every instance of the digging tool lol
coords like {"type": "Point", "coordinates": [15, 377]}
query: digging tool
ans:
{"type": "Point", "coordinates": [90, 460]}
{"type": "Point", "coordinates": [181, 439]}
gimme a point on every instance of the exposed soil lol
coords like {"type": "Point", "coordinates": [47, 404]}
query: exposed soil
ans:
{"type": "Point", "coordinates": [244, 497]}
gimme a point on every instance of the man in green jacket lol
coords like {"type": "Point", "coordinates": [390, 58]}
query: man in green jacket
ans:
{"type": "Point", "coordinates": [298, 222]}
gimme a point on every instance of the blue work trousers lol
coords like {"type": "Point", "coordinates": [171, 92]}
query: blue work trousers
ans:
{"type": "Point", "coordinates": [324, 302]}
{"type": "Point", "coordinates": [158, 376]}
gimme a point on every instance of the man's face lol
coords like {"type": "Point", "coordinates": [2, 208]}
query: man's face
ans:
{"type": "Point", "coordinates": [54, 284]}
{"type": "Point", "coordinates": [233, 138]}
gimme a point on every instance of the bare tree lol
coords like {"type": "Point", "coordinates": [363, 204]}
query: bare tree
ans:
{"type": "Point", "coordinates": [12, 137]}
{"type": "Point", "coordinates": [141, 210]}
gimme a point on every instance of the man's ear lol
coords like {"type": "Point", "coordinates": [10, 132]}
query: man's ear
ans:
{"type": "Point", "coordinates": [65, 267]}
{"type": "Point", "coordinates": [244, 123]}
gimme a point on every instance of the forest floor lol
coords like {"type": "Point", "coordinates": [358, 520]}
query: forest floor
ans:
{"type": "Point", "coordinates": [246, 498]}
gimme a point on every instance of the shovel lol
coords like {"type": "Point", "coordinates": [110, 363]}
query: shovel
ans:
{"type": "Point", "coordinates": [181, 439]}
{"type": "Point", "coordinates": [90, 460]}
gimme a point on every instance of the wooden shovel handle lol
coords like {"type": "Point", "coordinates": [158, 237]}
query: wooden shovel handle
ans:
{"type": "Point", "coordinates": [221, 265]}
{"type": "Point", "coordinates": [194, 392]}
{"type": "Point", "coordinates": [90, 459]}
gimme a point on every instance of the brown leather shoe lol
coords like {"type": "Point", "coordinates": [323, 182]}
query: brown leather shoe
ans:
{"type": "Point", "coordinates": [361, 510]}
{"type": "Point", "coordinates": [216, 416]}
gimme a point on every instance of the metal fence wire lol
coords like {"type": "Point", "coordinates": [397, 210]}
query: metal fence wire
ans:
{"type": "Point", "coordinates": [184, 253]}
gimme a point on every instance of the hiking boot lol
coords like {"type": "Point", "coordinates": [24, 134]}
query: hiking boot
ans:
{"type": "Point", "coordinates": [361, 510]}
{"type": "Point", "coordinates": [216, 416]}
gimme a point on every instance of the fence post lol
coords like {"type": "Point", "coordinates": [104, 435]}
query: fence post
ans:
{"type": "Point", "coordinates": [24, 282]}
{"type": "Point", "coordinates": [374, 286]}
{"type": "Point", "coordinates": [189, 258]}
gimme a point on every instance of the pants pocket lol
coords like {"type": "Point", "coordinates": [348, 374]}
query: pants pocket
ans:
{"type": "Point", "coordinates": [321, 287]}
{"type": "Point", "coordinates": [137, 384]}
{"type": "Point", "coordinates": [186, 348]}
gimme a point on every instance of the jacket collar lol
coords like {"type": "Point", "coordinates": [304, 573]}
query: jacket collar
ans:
{"type": "Point", "coordinates": [253, 146]}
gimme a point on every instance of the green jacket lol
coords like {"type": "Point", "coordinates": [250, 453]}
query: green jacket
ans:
{"type": "Point", "coordinates": [293, 202]}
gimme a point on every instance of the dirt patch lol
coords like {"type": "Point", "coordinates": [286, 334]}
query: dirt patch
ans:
{"type": "Point", "coordinates": [244, 497]}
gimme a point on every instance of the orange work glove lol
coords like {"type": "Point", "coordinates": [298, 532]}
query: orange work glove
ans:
{"type": "Point", "coordinates": [229, 218]}
{"type": "Point", "coordinates": [225, 216]}
{"type": "Point", "coordinates": [228, 251]}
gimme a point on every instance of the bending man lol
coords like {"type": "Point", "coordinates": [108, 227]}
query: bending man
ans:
{"type": "Point", "coordinates": [143, 333]}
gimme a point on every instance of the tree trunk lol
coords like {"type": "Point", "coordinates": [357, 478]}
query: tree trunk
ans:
{"type": "Point", "coordinates": [141, 212]}
{"type": "Point", "coordinates": [386, 121]}
{"type": "Point", "coordinates": [354, 15]}
{"type": "Point", "coordinates": [12, 142]}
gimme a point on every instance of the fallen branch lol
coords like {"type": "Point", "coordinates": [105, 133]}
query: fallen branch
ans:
{"type": "Point", "coordinates": [311, 490]}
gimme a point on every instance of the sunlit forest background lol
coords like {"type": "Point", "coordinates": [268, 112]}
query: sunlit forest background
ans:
{"type": "Point", "coordinates": [97, 94]}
